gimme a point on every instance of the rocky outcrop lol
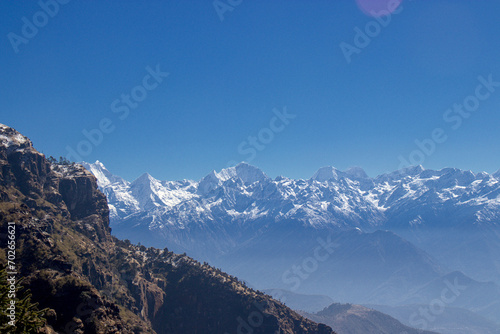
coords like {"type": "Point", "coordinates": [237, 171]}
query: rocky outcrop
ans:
{"type": "Point", "coordinates": [21, 165]}
{"type": "Point", "coordinates": [84, 201]}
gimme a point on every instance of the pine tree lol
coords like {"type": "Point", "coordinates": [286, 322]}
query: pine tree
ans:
{"type": "Point", "coordinates": [28, 317]}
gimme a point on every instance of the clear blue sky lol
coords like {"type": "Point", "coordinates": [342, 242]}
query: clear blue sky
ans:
{"type": "Point", "coordinates": [226, 77]}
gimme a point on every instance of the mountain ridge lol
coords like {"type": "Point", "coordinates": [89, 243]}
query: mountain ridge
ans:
{"type": "Point", "coordinates": [329, 195]}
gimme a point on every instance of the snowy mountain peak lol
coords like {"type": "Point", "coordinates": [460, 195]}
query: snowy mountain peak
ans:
{"type": "Point", "coordinates": [120, 200]}
{"type": "Point", "coordinates": [404, 172]}
{"type": "Point", "coordinates": [145, 178]}
{"type": "Point", "coordinates": [209, 183]}
{"type": "Point", "coordinates": [244, 171]}
{"type": "Point", "coordinates": [149, 192]}
{"type": "Point", "coordinates": [414, 170]}
{"type": "Point", "coordinates": [345, 199]}
{"type": "Point", "coordinates": [356, 173]}
{"type": "Point", "coordinates": [103, 176]}
{"type": "Point", "coordinates": [497, 174]}
{"type": "Point", "coordinates": [12, 139]}
{"type": "Point", "coordinates": [331, 173]}
{"type": "Point", "coordinates": [100, 164]}
{"type": "Point", "coordinates": [325, 174]}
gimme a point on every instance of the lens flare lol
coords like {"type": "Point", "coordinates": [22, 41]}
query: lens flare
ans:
{"type": "Point", "coordinates": [377, 8]}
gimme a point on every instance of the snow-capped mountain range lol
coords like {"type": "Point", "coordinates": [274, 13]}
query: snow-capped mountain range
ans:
{"type": "Point", "coordinates": [389, 235]}
{"type": "Point", "coordinates": [337, 199]}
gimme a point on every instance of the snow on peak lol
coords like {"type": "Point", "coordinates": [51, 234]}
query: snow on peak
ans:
{"type": "Point", "coordinates": [145, 178]}
{"type": "Point", "coordinates": [497, 174]}
{"type": "Point", "coordinates": [415, 170]}
{"type": "Point", "coordinates": [325, 174]}
{"type": "Point", "coordinates": [244, 171]}
{"type": "Point", "coordinates": [404, 172]}
{"type": "Point", "coordinates": [209, 183]}
{"type": "Point", "coordinates": [147, 191]}
{"type": "Point", "coordinates": [100, 164]}
{"type": "Point", "coordinates": [352, 199]}
{"type": "Point", "coordinates": [10, 138]}
{"type": "Point", "coordinates": [356, 173]}
{"type": "Point", "coordinates": [103, 176]}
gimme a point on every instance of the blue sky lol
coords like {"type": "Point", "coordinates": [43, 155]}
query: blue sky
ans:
{"type": "Point", "coordinates": [225, 78]}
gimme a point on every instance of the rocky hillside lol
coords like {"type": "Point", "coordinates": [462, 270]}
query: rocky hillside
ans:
{"type": "Point", "coordinates": [94, 283]}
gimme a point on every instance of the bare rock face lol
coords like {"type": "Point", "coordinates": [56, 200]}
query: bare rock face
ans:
{"type": "Point", "coordinates": [85, 203]}
{"type": "Point", "coordinates": [69, 187]}
{"type": "Point", "coordinates": [21, 164]}
{"type": "Point", "coordinates": [94, 283]}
